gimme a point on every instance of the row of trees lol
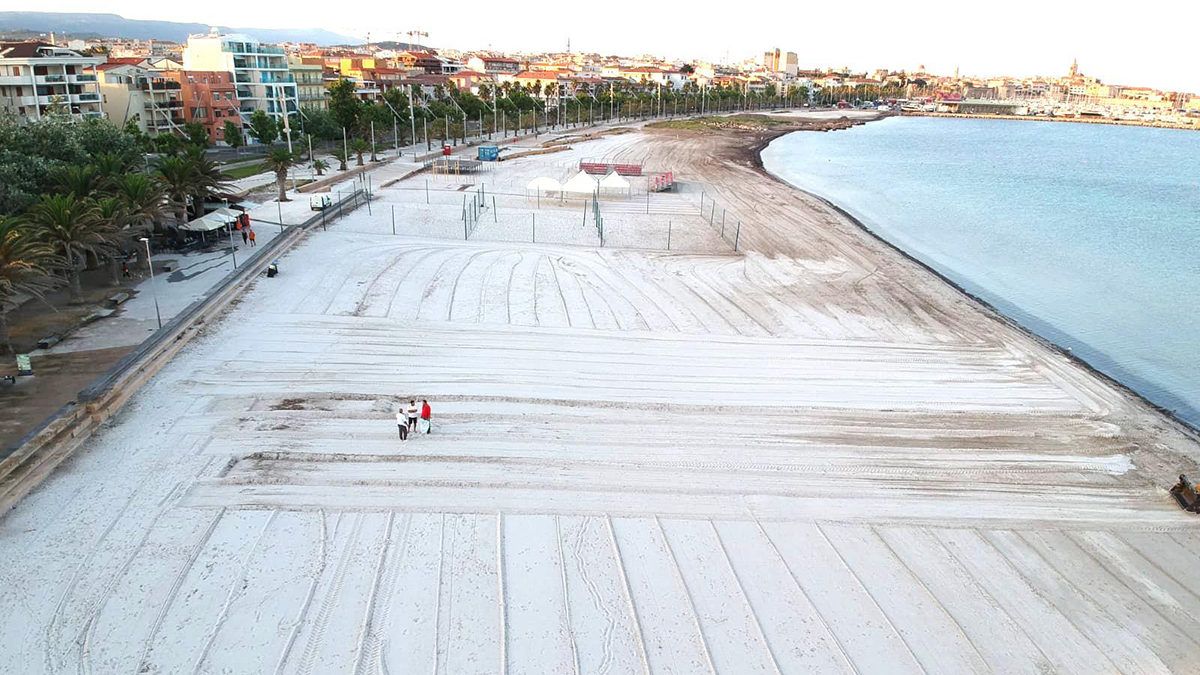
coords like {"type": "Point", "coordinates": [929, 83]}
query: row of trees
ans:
{"type": "Point", "coordinates": [82, 194]}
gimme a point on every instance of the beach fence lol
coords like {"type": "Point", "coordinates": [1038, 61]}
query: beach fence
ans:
{"type": "Point", "coordinates": [420, 208]}
{"type": "Point", "coordinates": [721, 219]}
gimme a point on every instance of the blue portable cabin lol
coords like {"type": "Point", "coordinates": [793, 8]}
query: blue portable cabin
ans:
{"type": "Point", "coordinates": [488, 153]}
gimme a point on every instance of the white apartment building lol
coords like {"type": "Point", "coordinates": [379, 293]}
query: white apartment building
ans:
{"type": "Point", "coordinates": [132, 92]}
{"type": "Point", "coordinates": [39, 79]}
{"type": "Point", "coordinates": [259, 71]}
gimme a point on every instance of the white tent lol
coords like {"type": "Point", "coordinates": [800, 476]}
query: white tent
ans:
{"type": "Point", "coordinates": [615, 182]}
{"type": "Point", "coordinates": [229, 214]}
{"type": "Point", "coordinates": [213, 221]}
{"type": "Point", "coordinates": [580, 183]}
{"type": "Point", "coordinates": [543, 185]}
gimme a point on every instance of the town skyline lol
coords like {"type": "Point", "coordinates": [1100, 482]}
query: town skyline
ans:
{"type": "Point", "coordinates": [895, 38]}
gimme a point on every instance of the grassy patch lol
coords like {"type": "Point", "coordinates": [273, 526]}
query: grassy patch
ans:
{"type": "Point", "coordinates": [247, 170]}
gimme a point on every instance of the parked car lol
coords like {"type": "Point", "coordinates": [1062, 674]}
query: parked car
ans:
{"type": "Point", "coordinates": [320, 202]}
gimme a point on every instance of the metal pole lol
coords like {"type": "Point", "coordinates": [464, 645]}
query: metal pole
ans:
{"type": "Point", "coordinates": [494, 217]}
{"type": "Point", "coordinates": [539, 198]}
{"type": "Point", "coordinates": [153, 288]}
{"type": "Point", "coordinates": [737, 235]}
{"type": "Point", "coordinates": [279, 210]}
{"type": "Point", "coordinates": [311, 159]}
{"type": "Point", "coordinates": [345, 145]}
{"type": "Point", "coordinates": [668, 235]}
{"type": "Point", "coordinates": [368, 195]}
{"type": "Point", "coordinates": [393, 219]}
{"type": "Point", "coordinates": [722, 221]}
{"type": "Point", "coordinates": [323, 228]}
{"type": "Point", "coordinates": [372, 140]}
{"type": "Point", "coordinates": [426, 190]}
{"type": "Point", "coordinates": [647, 199]}
{"type": "Point", "coordinates": [534, 227]}
{"type": "Point", "coordinates": [232, 248]}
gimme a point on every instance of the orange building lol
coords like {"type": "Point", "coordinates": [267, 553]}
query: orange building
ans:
{"type": "Point", "coordinates": [209, 97]}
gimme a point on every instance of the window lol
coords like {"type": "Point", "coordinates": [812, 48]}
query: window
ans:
{"type": "Point", "coordinates": [16, 72]}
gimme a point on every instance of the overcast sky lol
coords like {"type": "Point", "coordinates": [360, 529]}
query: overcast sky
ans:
{"type": "Point", "coordinates": [1150, 43]}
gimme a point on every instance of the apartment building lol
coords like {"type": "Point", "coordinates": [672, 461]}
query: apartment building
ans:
{"type": "Point", "coordinates": [210, 98]}
{"type": "Point", "coordinates": [132, 92]}
{"type": "Point", "coordinates": [260, 72]}
{"type": "Point", "coordinates": [309, 75]}
{"type": "Point", "coordinates": [39, 79]}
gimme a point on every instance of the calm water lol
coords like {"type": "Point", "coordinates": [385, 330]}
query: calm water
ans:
{"type": "Point", "coordinates": [1089, 235]}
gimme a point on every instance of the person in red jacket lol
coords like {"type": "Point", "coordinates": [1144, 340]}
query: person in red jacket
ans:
{"type": "Point", "coordinates": [426, 414]}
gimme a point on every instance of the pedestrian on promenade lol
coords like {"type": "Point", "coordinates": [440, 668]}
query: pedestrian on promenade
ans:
{"type": "Point", "coordinates": [125, 270]}
{"type": "Point", "coordinates": [402, 423]}
{"type": "Point", "coordinates": [426, 415]}
{"type": "Point", "coordinates": [245, 234]}
{"type": "Point", "coordinates": [251, 237]}
{"type": "Point", "coordinates": [412, 412]}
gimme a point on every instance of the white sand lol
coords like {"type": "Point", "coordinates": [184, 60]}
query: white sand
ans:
{"type": "Point", "coordinates": [641, 461]}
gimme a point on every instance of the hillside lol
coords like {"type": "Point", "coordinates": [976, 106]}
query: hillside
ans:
{"type": "Point", "coordinates": [84, 25]}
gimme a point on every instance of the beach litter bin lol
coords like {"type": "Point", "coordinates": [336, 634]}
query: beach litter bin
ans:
{"type": "Point", "coordinates": [489, 153]}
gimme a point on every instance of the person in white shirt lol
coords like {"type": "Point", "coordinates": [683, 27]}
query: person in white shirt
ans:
{"type": "Point", "coordinates": [402, 423]}
{"type": "Point", "coordinates": [413, 413]}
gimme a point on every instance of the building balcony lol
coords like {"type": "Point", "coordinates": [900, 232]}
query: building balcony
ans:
{"type": "Point", "coordinates": [85, 98]}
{"type": "Point", "coordinates": [161, 85]}
{"type": "Point", "coordinates": [83, 77]}
{"type": "Point", "coordinates": [54, 79]}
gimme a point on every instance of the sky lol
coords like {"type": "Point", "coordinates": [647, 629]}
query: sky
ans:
{"type": "Point", "coordinates": [1120, 44]}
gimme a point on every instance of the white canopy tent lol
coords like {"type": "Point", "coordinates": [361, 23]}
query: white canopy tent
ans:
{"type": "Point", "coordinates": [581, 183]}
{"type": "Point", "coordinates": [615, 182]}
{"type": "Point", "coordinates": [543, 185]}
{"type": "Point", "coordinates": [208, 223]}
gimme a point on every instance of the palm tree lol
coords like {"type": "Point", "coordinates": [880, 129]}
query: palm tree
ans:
{"type": "Point", "coordinates": [81, 180]}
{"type": "Point", "coordinates": [180, 179]}
{"type": "Point", "coordinates": [306, 141]}
{"type": "Point", "coordinates": [212, 181]}
{"type": "Point", "coordinates": [143, 197]}
{"type": "Point", "coordinates": [358, 146]}
{"type": "Point", "coordinates": [25, 264]}
{"type": "Point", "coordinates": [109, 167]}
{"type": "Point", "coordinates": [341, 156]}
{"type": "Point", "coordinates": [319, 165]}
{"type": "Point", "coordinates": [73, 227]}
{"type": "Point", "coordinates": [112, 217]}
{"type": "Point", "coordinates": [280, 160]}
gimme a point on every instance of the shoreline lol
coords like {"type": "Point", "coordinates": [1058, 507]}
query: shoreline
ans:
{"type": "Point", "coordinates": [761, 143]}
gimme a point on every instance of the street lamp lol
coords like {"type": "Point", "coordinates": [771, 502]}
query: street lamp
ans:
{"type": "Point", "coordinates": [232, 248]}
{"type": "Point", "coordinates": [153, 288]}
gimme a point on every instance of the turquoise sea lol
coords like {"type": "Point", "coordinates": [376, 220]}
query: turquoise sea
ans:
{"type": "Point", "coordinates": [1088, 235]}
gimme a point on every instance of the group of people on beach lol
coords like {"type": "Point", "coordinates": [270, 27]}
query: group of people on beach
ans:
{"type": "Point", "coordinates": [414, 419]}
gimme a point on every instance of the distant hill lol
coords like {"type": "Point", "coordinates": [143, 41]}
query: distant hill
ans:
{"type": "Point", "coordinates": [85, 25]}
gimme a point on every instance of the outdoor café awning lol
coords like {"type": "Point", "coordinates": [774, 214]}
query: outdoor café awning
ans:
{"type": "Point", "coordinates": [208, 223]}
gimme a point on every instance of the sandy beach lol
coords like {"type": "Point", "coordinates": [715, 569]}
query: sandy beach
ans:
{"type": "Point", "coordinates": [810, 454]}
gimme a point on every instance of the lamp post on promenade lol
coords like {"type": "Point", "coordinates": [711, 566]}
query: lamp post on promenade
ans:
{"type": "Point", "coordinates": [153, 288]}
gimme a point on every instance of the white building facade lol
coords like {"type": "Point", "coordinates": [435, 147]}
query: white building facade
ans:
{"type": "Point", "coordinates": [131, 92]}
{"type": "Point", "coordinates": [39, 79]}
{"type": "Point", "coordinates": [260, 71]}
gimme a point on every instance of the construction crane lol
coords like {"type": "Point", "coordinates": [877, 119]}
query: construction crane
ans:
{"type": "Point", "coordinates": [414, 34]}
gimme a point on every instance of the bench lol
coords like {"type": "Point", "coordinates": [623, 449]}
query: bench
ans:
{"type": "Point", "coordinates": [118, 298]}
{"type": "Point", "coordinates": [99, 313]}
{"type": "Point", "coordinates": [48, 341]}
